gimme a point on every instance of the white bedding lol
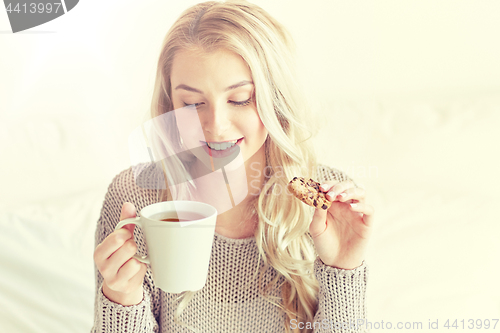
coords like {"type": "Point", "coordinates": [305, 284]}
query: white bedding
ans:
{"type": "Point", "coordinates": [72, 90]}
{"type": "Point", "coordinates": [434, 254]}
{"type": "Point", "coordinates": [47, 283]}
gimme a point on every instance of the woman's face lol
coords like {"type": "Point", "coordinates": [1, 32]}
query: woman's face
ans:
{"type": "Point", "coordinates": [220, 85]}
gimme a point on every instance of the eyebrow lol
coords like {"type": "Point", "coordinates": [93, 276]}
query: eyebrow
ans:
{"type": "Point", "coordinates": [234, 86]}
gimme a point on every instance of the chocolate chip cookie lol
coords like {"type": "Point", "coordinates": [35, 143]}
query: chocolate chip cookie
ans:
{"type": "Point", "coordinates": [308, 191]}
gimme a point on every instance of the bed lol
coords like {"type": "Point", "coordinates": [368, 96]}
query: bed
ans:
{"type": "Point", "coordinates": [429, 168]}
{"type": "Point", "coordinates": [72, 92]}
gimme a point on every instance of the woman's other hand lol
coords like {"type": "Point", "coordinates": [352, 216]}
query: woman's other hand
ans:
{"type": "Point", "coordinates": [341, 233]}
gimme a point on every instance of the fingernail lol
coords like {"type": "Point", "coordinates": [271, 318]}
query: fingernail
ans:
{"type": "Point", "coordinates": [324, 187]}
{"type": "Point", "coordinates": [353, 205]}
{"type": "Point", "coordinates": [343, 195]}
{"type": "Point", "coordinates": [331, 194]}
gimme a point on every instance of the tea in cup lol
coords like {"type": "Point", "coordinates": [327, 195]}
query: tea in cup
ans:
{"type": "Point", "coordinates": [179, 237]}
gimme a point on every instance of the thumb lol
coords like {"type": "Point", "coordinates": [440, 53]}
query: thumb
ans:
{"type": "Point", "coordinates": [128, 211]}
{"type": "Point", "coordinates": [318, 223]}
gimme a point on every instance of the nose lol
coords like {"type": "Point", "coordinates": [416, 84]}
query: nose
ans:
{"type": "Point", "coordinates": [215, 122]}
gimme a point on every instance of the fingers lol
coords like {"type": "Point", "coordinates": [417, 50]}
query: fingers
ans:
{"type": "Point", "coordinates": [328, 184]}
{"type": "Point", "coordinates": [118, 237]}
{"type": "Point", "coordinates": [128, 211]}
{"type": "Point", "coordinates": [128, 277]}
{"type": "Point", "coordinates": [318, 223]}
{"type": "Point", "coordinates": [131, 269]}
{"type": "Point", "coordinates": [365, 209]}
{"type": "Point", "coordinates": [138, 279]}
{"type": "Point", "coordinates": [119, 258]}
{"type": "Point", "coordinates": [110, 244]}
{"type": "Point", "coordinates": [353, 193]}
{"type": "Point", "coordinates": [123, 275]}
{"type": "Point", "coordinates": [347, 192]}
{"type": "Point", "coordinates": [118, 247]}
{"type": "Point", "coordinates": [344, 191]}
{"type": "Point", "coordinates": [120, 271]}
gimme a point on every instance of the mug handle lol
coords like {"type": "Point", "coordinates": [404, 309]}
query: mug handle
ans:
{"type": "Point", "coordinates": [137, 221]}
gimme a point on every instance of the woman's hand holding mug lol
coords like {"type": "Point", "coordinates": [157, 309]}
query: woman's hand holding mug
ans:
{"type": "Point", "coordinates": [179, 237]}
{"type": "Point", "coordinates": [123, 275]}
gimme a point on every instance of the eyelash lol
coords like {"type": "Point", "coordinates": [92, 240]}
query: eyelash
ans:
{"type": "Point", "coordinates": [243, 103]}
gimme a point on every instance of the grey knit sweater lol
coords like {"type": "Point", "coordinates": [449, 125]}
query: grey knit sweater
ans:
{"type": "Point", "coordinates": [230, 301]}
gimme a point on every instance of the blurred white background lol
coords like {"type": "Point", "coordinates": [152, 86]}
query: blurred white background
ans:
{"type": "Point", "coordinates": [410, 94]}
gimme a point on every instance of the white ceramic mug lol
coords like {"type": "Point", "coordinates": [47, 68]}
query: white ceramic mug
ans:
{"type": "Point", "coordinates": [178, 252]}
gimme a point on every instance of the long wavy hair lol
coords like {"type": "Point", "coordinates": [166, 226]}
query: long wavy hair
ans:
{"type": "Point", "coordinates": [282, 232]}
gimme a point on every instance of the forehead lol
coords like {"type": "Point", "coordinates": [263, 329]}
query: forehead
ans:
{"type": "Point", "coordinates": [220, 67]}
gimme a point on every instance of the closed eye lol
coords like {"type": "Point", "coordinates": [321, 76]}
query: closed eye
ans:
{"type": "Point", "coordinates": [242, 103]}
{"type": "Point", "coordinates": [195, 104]}
{"type": "Point", "coordinates": [235, 103]}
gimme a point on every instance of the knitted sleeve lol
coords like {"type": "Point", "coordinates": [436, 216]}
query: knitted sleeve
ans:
{"type": "Point", "coordinates": [342, 293]}
{"type": "Point", "coordinates": [110, 317]}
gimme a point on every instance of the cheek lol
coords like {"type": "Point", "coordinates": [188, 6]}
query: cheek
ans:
{"type": "Point", "coordinates": [254, 128]}
{"type": "Point", "coordinates": [259, 125]}
{"type": "Point", "coordinates": [262, 132]}
{"type": "Point", "coordinates": [189, 127]}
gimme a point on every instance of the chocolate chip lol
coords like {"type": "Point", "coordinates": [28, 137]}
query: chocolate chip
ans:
{"type": "Point", "coordinates": [315, 203]}
{"type": "Point", "coordinates": [324, 207]}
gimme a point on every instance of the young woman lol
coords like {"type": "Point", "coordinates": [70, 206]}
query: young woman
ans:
{"type": "Point", "coordinates": [277, 265]}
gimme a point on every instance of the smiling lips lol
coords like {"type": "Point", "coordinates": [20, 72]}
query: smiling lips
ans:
{"type": "Point", "coordinates": [222, 152]}
{"type": "Point", "coordinates": [222, 145]}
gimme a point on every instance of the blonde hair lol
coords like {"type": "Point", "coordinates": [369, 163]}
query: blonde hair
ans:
{"type": "Point", "coordinates": [266, 47]}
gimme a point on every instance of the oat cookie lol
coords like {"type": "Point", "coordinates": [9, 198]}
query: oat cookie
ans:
{"type": "Point", "coordinates": [308, 191]}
